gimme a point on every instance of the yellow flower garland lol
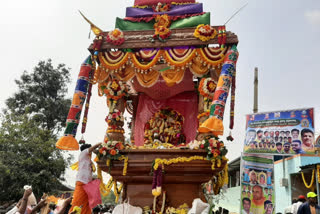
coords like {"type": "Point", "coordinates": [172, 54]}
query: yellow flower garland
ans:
{"type": "Point", "coordinates": [182, 63]}
{"type": "Point", "coordinates": [209, 61]}
{"type": "Point", "coordinates": [144, 67]}
{"type": "Point", "coordinates": [117, 190]}
{"type": "Point", "coordinates": [125, 166]}
{"type": "Point", "coordinates": [128, 66]}
{"type": "Point", "coordinates": [226, 175]}
{"type": "Point", "coordinates": [104, 188]}
{"type": "Point", "coordinates": [159, 161]}
{"type": "Point", "coordinates": [107, 65]}
{"type": "Point", "coordinates": [304, 181]}
{"type": "Point", "coordinates": [183, 209]}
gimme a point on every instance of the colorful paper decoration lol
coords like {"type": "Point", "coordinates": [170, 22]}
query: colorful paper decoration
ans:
{"type": "Point", "coordinates": [68, 141]}
{"type": "Point", "coordinates": [215, 122]}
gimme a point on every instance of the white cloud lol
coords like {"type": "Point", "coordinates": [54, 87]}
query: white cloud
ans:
{"type": "Point", "coordinates": [313, 17]}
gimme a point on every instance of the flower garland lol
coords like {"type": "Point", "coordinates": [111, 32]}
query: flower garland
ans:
{"type": "Point", "coordinates": [114, 117]}
{"type": "Point", "coordinates": [115, 89]}
{"type": "Point", "coordinates": [114, 130]}
{"type": "Point", "coordinates": [209, 57]}
{"type": "Point", "coordinates": [214, 186]}
{"type": "Point", "coordinates": [115, 37]}
{"type": "Point", "coordinates": [181, 64]}
{"type": "Point", "coordinates": [147, 55]}
{"type": "Point", "coordinates": [205, 32]}
{"type": "Point", "coordinates": [111, 149]}
{"type": "Point", "coordinates": [125, 166]}
{"type": "Point", "coordinates": [161, 27]}
{"type": "Point", "coordinates": [117, 190]}
{"type": "Point", "coordinates": [209, 62]}
{"type": "Point", "coordinates": [157, 182]}
{"type": "Point", "coordinates": [183, 209]}
{"type": "Point", "coordinates": [159, 161]}
{"type": "Point", "coordinates": [143, 67]}
{"type": "Point", "coordinates": [161, 7]}
{"type": "Point", "coordinates": [218, 184]}
{"type": "Point", "coordinates": [104, 188]}
{"type": "Point", "coordinates": [222, 36]}
{"type": "Point", "coordinates": [304, 181]}
{"type": "Point", "coordinates": [113, 66]}
{"type": "Point", "coordinates": [215, 148]}
{"type": "Point", "coordinates": [207, 87]}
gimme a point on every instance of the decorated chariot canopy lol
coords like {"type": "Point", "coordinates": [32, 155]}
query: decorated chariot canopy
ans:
{"type": "Point", "coordinates": [160, 50]}
{"type": "Point", "coordinates": [172, 71]}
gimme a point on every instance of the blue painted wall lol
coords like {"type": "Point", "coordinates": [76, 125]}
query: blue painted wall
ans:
{"type": "Point", "coordinates": [283, 169]}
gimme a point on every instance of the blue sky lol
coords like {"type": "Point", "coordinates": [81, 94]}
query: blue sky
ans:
{"type": "Point", "coordinates": [281, 38]}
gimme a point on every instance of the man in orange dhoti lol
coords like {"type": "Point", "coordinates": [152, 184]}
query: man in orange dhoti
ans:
{"type": "Point", "coordinates": [84, 176]}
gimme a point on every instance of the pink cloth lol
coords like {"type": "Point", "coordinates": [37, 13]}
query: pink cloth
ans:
{"type": "Point", "coordinates": [185, 103]}
{"type": "Point", "coordinates": [93, 192]}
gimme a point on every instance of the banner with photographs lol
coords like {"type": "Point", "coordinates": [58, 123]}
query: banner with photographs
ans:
{"type": "Point", "coordinates": [257, 190]}
{"type": "Point", "coordinates": [285, 132]}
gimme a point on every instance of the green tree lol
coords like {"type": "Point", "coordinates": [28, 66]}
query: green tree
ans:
{"type": "Point", "coordinates": [109, 199]}
{"type": "Point", "coordinates": [30, 124]}
{"type": "Point", "coordinates": [42, 94]}
{"type": "Point", "coordinates": [28, 156]}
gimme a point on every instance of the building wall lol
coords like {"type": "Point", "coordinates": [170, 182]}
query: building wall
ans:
{"type": "Point", "coordinates": [284, 169]}
{"type": "Point", "coordinates": [231, 200]}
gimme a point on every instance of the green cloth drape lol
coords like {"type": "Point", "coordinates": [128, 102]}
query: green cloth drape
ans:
{"type": "Point", "coordinates": [193, 21]}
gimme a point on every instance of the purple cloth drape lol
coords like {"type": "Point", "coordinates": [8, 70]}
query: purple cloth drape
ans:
{"type": "Point", "coordinates": [175, 10]}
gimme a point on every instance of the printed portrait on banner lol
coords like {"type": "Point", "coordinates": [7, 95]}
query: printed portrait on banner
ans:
{"type": "Point", "coordinates": [283, 132]}
{"type": "Point", "coordinates": [257, 186]}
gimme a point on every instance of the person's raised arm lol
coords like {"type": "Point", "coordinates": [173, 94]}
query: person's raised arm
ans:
{"type": "Point", "coordinates": [92, 148]}
{"type": "Point", "coordinates": [37, 208]}
{"type": "Point", "coordinates": [24, 202]}
{"type": "Point", "coordinates": [65, 205]}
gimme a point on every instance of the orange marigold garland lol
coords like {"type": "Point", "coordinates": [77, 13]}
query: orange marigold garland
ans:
{"type": "Point", "coordinates": [109, 66]}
